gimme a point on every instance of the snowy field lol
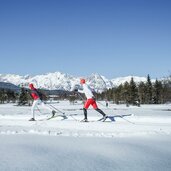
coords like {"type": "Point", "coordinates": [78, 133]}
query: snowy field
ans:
{"type": "Point", "coordinates": [139, 138]}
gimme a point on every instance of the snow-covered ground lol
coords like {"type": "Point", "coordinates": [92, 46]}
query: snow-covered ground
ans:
{"type": "Point", "coordinates": [138, 139]}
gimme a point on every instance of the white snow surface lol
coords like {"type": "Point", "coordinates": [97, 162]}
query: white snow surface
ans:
{"type": "Point", "coordinates": [62, 81]}
{"type": "Point", "coordinates": [138, 139]}
{"type": "Point", "coordinates": [129, 121]}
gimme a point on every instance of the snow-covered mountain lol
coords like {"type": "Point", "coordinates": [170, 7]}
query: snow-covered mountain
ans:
{"type": "Point", "coordinates": [121, 80]}
{"type": "Point", "coordinates": [99, 83]}
{"type": "Point", "coordinates": [61, 81]}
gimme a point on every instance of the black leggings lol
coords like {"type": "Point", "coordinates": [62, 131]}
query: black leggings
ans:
{"type": "Point", "coordinates": [98, 110]}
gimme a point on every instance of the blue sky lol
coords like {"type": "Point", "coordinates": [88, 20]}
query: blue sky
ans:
{"type": "Point", "coordinates": [79, 37]}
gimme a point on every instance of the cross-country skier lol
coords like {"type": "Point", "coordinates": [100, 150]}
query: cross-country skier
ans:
{"type": "Point", "coordinates": [37, 100]}
{"type": "Point", "coordinates": [90, 100]}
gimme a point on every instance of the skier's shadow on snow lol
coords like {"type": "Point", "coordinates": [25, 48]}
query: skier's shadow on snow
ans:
{"type": "Point", "coordinates": [112, 118]}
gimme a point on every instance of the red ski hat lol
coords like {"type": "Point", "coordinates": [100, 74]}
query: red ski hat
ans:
{"type": "Point", "coordinates": [31, 85]}
{"type": "Point", "coordinates": [82, 81]}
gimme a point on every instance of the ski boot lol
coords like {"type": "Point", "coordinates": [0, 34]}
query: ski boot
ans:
{"type": "Point", "coordinates": [53, 113]}
{"type": "Point", "coordinates": [84, 120]}
{"type": "Point", "coordinates": [104, 118]}
{"type": "Point", "coordinates": [32, 119]}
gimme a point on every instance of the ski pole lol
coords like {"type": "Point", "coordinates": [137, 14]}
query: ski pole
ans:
{"type": "Point", "coordinates": [73, 118]}
{"type": "Point", "coordinates": [80, 96]}
{"type": "Point", "coordinates": [57, 109]}
{"type": "Point", "coordinates": [101, 104]}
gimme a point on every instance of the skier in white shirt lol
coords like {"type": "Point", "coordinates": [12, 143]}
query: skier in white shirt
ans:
{"type": "Point", "coordinates": [90, 100]}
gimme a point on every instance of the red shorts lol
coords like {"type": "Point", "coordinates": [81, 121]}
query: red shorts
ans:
{"type": "Point", "coordinates": [90, 102]}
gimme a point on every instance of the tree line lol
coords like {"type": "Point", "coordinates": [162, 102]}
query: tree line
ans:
{"type": "Point", "coordinates": [11, 96]}
{"type": "Point", "coordinates": [7, 95]}
{"type": "Point", "coordinates": [129, 93]}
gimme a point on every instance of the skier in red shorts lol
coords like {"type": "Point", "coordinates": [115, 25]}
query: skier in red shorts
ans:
{"type": "Point", "coordinates": [90, 101]}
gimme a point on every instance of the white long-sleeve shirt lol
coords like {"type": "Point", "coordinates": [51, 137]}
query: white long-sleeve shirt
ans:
{"type": "Point", "coordinates": [87, 91]}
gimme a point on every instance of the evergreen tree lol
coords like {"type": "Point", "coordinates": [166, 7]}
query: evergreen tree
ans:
{"type": "Point", "coordinates": [157, 92]}
{"type": "Point", "coordinates": [3, 96]}
{"type": "Point", "coordinates": [118, 94]}
{"type": "Point", "coordinates": [11, 96]}
{"type": "Point", "coordinates": [141, 92]}
{"type": "Point", "coordinates": [166, 94]}
{"type": "Point", "coordinates": [24, 97]}
{"type": "Point", "coordinates": [126, 93]}
{"type": "Point", "coordinates": [109, 95]}
{"type": "Point", "coordinates": [133, 92]}
{"type": "Point", "coordinates": [149, 89]}
{"type": "Point", "coordinates": [101, 96]}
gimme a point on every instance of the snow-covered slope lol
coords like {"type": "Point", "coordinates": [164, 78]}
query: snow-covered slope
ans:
{"type": "Point", "coordinates": [50, 81]}
{"type": "Point", "coordinates": [62, 81]}
{"type": "Point", "coordinates": [121, 80]}
{"type": "Point", "coordinates": [140, 142]}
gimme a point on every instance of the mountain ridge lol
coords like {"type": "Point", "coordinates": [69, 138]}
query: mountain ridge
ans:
{"type": "Point", "coordinates": [63, 81]}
